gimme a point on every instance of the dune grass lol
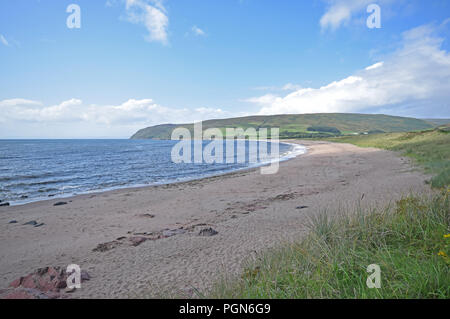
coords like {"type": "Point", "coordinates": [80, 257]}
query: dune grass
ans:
{"type": "Point", "coordinates": [430, 149]}
{"type": "Point", "coordinates": [410, 242]}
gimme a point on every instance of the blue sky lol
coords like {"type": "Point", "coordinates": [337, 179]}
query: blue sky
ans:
{"type": "Point", "coordinates": [135, 63]}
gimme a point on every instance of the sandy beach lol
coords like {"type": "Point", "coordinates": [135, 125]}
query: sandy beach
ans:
{"type": "Point", "coordinates": [251, 212]}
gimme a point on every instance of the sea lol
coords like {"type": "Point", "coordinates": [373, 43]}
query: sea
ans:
{"type": "Point", "coordinates": [35, 170]}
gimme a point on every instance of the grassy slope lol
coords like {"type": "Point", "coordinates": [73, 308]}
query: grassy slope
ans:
{"type": "Point", "coordinates": [410, 242]}
{"type": "Point", "coordinates": [431, 149]}
{"type": "Point", "coordinates": [438, 122]}
{"type": "Point", "coordinates": [298, 124]}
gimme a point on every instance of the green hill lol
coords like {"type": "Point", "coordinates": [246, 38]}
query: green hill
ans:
{"type": "Point", "coordinates": [297, 125]}
{"type": "Point", "coordinates": [438, 122]}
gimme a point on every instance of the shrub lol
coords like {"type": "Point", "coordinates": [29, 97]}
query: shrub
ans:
{"type": "Point", "coordinates": [328, 129]}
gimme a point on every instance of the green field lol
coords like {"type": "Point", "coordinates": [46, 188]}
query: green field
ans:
{"type": "Point", "coordinates": [438, 122]}
{"type": "Point", "coordinates": [410, 240]}
{"type": "Point", "coordinates": [296, 126]}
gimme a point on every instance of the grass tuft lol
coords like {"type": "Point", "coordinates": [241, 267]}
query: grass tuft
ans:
{"type": "Point", "coordinates": [409, 241]}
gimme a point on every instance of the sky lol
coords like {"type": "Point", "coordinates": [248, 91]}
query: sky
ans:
{"type": "Point", "coordinates": [137, 63]}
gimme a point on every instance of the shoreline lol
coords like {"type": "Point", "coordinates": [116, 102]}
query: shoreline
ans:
{"type": "Point", "coordinates": [250, 212]}
{"type": "Point", "coordinates": [70, 196]}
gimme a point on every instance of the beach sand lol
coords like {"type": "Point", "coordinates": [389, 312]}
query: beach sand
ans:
{"type": "Point", "coordinates": [251, 213]}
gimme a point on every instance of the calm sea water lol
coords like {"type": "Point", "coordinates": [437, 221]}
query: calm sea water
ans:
{"type": "Point", "coordinates": [32, 170]}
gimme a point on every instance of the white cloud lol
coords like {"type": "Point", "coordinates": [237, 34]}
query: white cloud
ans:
{"type": "Point", "coordinates": [15, 102]}
{"type": "Point", "coordinates": [374, 66]}
{"type": "Point", "coordinates": [413, 80]}
{"type": "Point", "coordinates": [3, 40]}
{"type": "Point", "coordinates": [286, 87]}
{"type": "Point", "coordinates": [340, 12]}
{"type": "Point", "coordinates": [75, 118]}
{"type": "Point", "coordinates": [197, 31]}
{"type": "Point", "coordinates": [34, 111]}
{"type": "Point", "coordinates": [291, 87]}
{"type": "Point", "coordinates": [153, 15]}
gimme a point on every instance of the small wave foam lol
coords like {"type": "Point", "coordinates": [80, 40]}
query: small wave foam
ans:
{"type": "Point", "coordinates": [295, 151]}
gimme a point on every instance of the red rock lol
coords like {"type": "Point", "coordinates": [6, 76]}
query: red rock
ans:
{"type": "Point", "coordinates": [28, 282]}
{"type": "Point", "coordinates": [106, 246]}
{"type": "Point", "coordinates": [136, 241]}
{"type": "Point", "coordinates": [16, 283]}
{"type": "Point", "coordinates": [44, 283]}
{"type": "Point", "coordinates": [44, 279]}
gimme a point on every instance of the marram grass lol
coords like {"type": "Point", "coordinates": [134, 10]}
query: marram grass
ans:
{"type": "Point", "coordinates": [410, 242]}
